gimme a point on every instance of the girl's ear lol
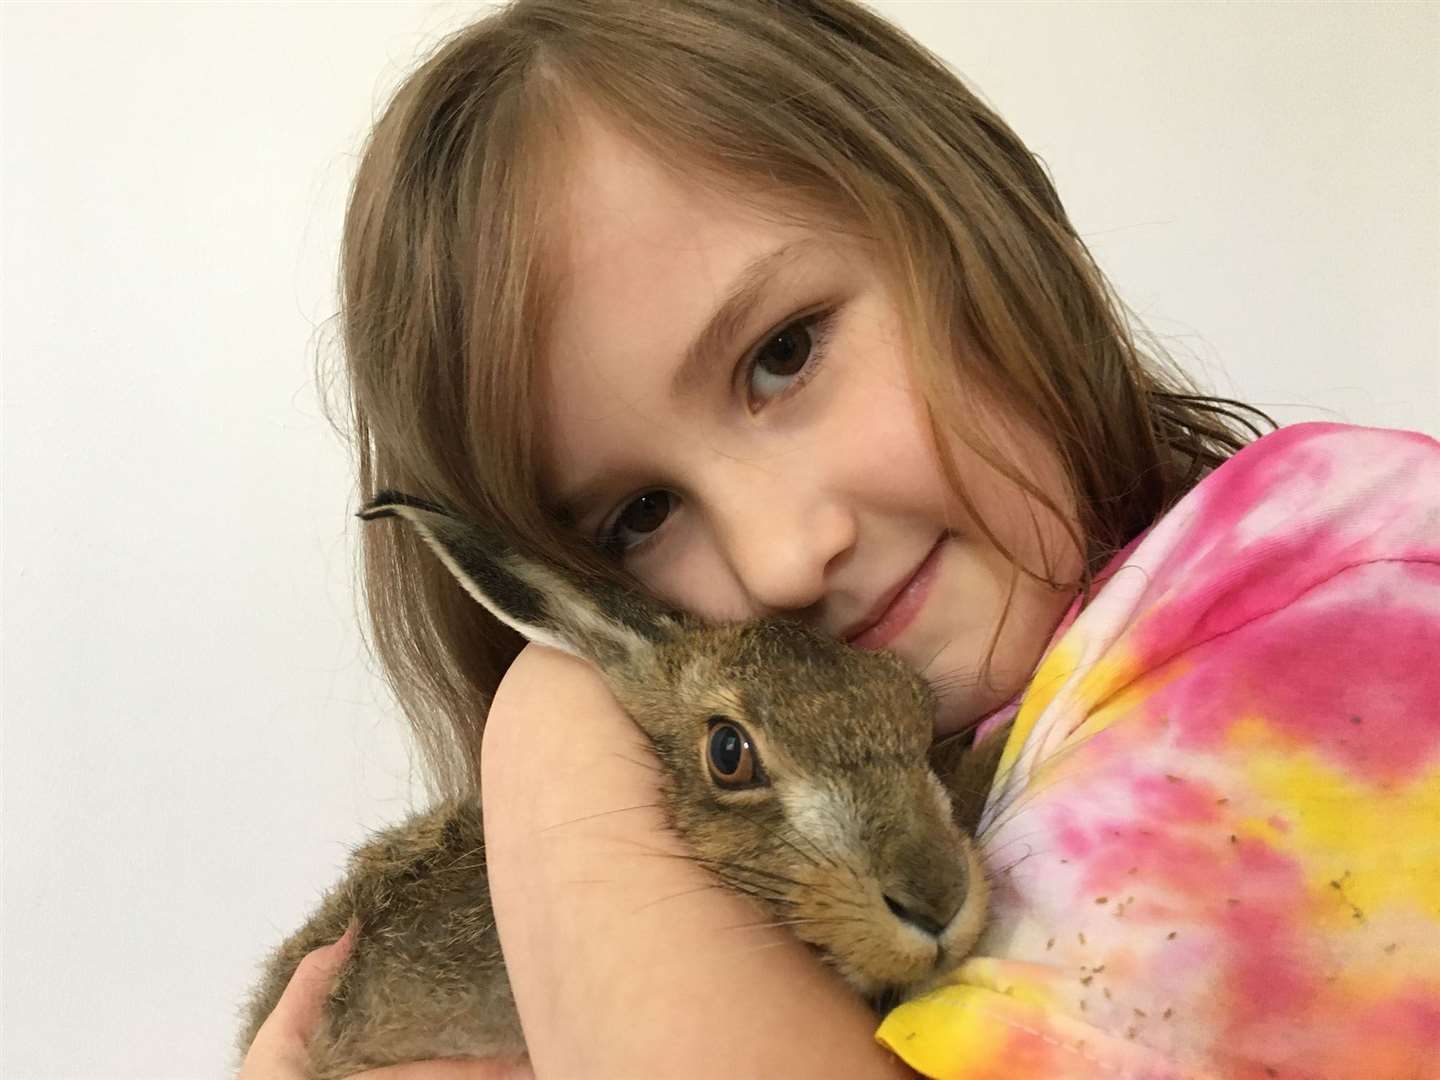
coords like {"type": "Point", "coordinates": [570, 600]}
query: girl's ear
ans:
{"type": "Point", "coordinates": [593, 619]}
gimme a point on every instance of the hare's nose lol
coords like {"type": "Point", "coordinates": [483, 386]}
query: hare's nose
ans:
{"type": "Point", "coordinates": [928, 918]}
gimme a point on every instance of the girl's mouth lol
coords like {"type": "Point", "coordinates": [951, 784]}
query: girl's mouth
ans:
{"type": "Point", "coordinates": [901, 611]}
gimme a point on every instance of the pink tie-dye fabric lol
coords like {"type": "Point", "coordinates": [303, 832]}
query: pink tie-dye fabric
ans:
{"type": "Point", "coordinates": [1214, 839]}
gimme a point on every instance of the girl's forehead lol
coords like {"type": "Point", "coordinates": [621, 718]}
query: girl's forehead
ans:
{"type": "Point", "coordinates": [609, 181]}
{"type": "Point", "coordinates": [635, 227]}
{"type": "Point", "coordinates": [632, 233]}
{"type": "Point", "coordinates": [642, 258]}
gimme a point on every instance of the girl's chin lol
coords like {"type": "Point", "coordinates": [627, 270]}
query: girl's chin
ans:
{"type": "Point", "coordinates": [967, 705]}
{"type": "Point", "coordinates": [950, 718]}
{"type": "Point", "coordinates": [954, 710]}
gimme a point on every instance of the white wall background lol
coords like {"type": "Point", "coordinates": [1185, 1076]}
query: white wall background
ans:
{"type": "Point", "coordinates": [192, 732]}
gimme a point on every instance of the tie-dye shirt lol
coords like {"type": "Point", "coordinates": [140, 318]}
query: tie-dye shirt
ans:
{"type": "Point", "coordinates": [1214, 836]}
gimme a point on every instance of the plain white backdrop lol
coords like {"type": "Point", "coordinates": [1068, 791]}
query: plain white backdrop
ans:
{"type": "Point", "coordinates": [192, 732]}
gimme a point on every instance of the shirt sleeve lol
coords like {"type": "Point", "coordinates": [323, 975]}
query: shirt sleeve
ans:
{"type": "Point", "coordinates": [1214, 839]}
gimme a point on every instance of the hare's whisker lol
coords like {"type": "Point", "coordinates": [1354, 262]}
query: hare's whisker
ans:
{"type": "Point", "coordinates": [706, 887]}
{"type": "Point", "coordinates": [998, 871]}
{"type": "Point", "coordinates": [933, 656]}
{"type": "Point", "coordinates": [777, 923]}
{"type": "Point", "coordinates": [725, 864]}
{"type": "Point", "coordinates": [807, 886]}
{"type": "Point", "coordinates": [953, 680]}
{"type": "Point", "coordinates": [745, 889]}
{"type": "Point", "coordinates": [761, 946]}
{"type": "Point", "coordinates": [600, 814]}
{"type": "Point", "coordinates": [994, 851]}
{"type": "Point", "coordinates": [790, 842]}
{"type": "Point", "coordinates": [1010, 806]}
{"type": "Point", "coordinates": [648, 764]}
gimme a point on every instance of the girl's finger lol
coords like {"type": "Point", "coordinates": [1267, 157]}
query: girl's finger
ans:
{"type": "Point", "coordinates": [300, 1006]}
{"type": "Point", "coordinates": [278, 1051]}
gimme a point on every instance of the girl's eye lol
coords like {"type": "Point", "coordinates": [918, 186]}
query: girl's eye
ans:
{"type": "Point", "coordinates": [784, 361]}
{"type": "Point", "coordinates": [789, 358]}
{"type": "Point", "coordinates": [641, 515]}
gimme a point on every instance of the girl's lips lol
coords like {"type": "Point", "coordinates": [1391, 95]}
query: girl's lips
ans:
{"type": "Point", "coordinates": [906, 605]}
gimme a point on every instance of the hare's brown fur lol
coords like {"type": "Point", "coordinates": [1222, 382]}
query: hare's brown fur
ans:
{"type": "Point", "coordinates": [851, 839]}
{"type": "Point", "coordinates": [425, 977]}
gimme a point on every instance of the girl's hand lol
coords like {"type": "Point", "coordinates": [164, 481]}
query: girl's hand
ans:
{"type": "Point", "coordinates": [278, 1052]}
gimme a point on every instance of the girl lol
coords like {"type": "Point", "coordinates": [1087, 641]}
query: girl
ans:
{"type": "Point", "coordinates": [752, 304]}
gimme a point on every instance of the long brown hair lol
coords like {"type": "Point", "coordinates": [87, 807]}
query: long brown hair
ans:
{"type": "Point", "coordinates": [445, 283]}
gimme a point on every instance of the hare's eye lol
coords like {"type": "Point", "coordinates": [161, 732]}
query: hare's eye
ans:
{"type": "Point", "coordinates": [730, 755]}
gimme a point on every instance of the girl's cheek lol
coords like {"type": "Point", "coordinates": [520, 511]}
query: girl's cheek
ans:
{"type": "Point", "coordinates": [690, 574]}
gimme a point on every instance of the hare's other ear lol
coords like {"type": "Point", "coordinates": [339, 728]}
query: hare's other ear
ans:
{"type": "Point", "coordinates": [593, 619]}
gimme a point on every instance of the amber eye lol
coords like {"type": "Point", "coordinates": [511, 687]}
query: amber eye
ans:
{"type": "Point", "coordinates": [730, 755]}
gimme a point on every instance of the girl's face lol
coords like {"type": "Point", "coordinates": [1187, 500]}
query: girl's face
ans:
{"type": "Point", "coordinates": [775, 459]}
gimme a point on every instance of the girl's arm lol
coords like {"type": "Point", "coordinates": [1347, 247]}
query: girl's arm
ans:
{"type": "Point", "coordinates": [625, 959]}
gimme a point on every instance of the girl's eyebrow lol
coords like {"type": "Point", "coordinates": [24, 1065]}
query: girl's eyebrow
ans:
{"type": "Point", "coordinates": [723, 326]}
{"type": "Point", "coordinates": [729, 317]}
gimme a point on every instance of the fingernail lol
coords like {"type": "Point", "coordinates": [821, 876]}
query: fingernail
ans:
{"type": "Point", "coordinates": [345, 940]}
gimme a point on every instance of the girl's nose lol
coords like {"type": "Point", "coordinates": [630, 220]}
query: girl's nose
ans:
{"type": "Point", "coordinates": [783, 542]}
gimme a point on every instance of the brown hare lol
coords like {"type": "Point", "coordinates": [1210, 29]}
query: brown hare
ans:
{"type": "Point", "coordinates": [797, 769]}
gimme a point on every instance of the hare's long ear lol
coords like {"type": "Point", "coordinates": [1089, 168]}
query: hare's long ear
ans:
{"type": "Point", "coordinates": [596, 620]}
